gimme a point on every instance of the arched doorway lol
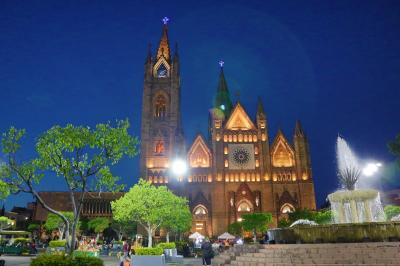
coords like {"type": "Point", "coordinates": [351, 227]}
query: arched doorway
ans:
{"type": "Point", "coordinates": [200, 218]}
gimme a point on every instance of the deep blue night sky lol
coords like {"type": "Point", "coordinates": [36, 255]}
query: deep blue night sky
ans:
{"type": "Point", "coordinates": [335, 65]}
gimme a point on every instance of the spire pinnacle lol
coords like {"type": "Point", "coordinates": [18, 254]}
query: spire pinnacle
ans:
{"type": "Point", "coordinates": [223, 100]}
{"type": "Point", "coordinates": [298, 131]}
{"type": "Point", "coordinates": [163, 48]}
{"type": "Point", "coordinates": [148, 58]}
{"type": "Point", "coordinates": [176, 50]}
{"type": "Point", "coordinates": [260, 107]}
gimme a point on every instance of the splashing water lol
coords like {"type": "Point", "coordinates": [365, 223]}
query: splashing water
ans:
{"type": "Point", "coordinates": [348, 167]}
{"type": "Point", "coordinates": [345, 156]}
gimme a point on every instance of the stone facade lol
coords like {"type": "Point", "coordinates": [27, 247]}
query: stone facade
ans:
{"type": "Point", "coordinates": [237, 169]}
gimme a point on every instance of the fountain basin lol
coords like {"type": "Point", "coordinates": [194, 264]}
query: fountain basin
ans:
{"type": "Point", "coordinates": [356, 206]}
{"type": "Point", "coordinates": [337, 233]}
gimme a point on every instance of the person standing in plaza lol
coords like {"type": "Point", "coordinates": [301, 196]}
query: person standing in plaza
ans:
{"type": "Point", "coordinates": [208, 252]}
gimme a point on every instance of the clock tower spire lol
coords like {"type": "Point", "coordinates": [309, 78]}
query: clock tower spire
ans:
{"type": "Point", "coordinates": [161, 131]}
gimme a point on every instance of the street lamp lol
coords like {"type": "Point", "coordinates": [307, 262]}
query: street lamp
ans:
{"type": "Point", "coordinates": [371, 168]}
{"type": "Point", "coordinates": [179, 167]}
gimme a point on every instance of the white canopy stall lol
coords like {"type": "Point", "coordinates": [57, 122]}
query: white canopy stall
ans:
{"type": "Point", "coordinates": [227, 236]}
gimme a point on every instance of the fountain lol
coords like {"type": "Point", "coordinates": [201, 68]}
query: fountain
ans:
{"type": "Point", "coordinates": [352, 205]}
{"type": "Point", "coordinates": [357, 212]}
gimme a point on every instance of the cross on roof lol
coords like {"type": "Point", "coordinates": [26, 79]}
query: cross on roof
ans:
{"type": "Point", "coordinates": [165, 20]}
{"type": "Point", "coordinates": [221, 63]}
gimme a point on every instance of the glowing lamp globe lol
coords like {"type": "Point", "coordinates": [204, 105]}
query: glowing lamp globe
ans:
{"type": "Point", "coordinates": [371, 168]}
{"type": "Point", "coordinates": [222, 107]}
{"type": "Point", "coordinates": [179, 167]}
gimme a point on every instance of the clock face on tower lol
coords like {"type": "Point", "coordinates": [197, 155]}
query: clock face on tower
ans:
{"type": "Point", "coordinates": [241, 156]}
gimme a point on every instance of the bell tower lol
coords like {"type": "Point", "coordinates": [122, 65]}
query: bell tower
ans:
{"type": "Point", "coordinates": [161, 129]}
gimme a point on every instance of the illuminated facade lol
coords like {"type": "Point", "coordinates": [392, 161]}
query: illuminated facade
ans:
{"type": "Point", "coordinates": [238, 169]}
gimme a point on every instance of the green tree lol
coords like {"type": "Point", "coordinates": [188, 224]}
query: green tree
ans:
{"type": "Point", "coordinates": [256, 222]}
{"type": "Point", "coordinates": [235, 228]}
{"type": "Point", "coordinates": [391, 211]}
{"type": "Point", "coordinates": [5, 223]}
{"type": "Point", "coordinates": [98, 225]}
{"type": "Point", "coordinates": [79, 156]}
{"type": "Point", "coordinates": [394, 147]}
{"type": "Point", "coordinates": [148, 205]}
{"type": "Point", "coordinates": [55, 222]}
{"type": "Point", "coordinates": [124, 228]}
{"type": "Point", "coordinates": [179, 219]}
{"type": "Point", "coordinates": [34, 228]}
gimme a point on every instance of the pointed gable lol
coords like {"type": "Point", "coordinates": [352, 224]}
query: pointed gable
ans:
{"type": "Point", "coordinates": [239, 120]}
{"type": "Point", "coordinates": [282, 152]}
{"type": "Point", "coordinates": [199, 154]}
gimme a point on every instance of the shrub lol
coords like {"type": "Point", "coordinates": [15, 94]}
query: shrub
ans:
{"type": "Point", "coordinates": [88, 261]}
{"type": "Point", "coordinates": [84, 253]}
{"type": "Point", "coordinates": [57, 243]}
{"type": "Point", "coordinates": [45, 260]}
{"type": "Point", "coordinates": [391, 211]}
{"type": "Point", "coordinates": [284, 223]}
{"type": "Point", "coordinates": [170, 245]}
{"type": "Point", "coordinates": [61, 260]}
{"type": "Point", "coordinates": [149, 251]}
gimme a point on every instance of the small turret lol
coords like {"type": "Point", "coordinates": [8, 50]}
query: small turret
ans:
{"type": "Point", "coordinates": [302, 152]}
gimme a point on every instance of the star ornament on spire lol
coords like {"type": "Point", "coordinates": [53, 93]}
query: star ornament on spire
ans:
{"type": "Point", "coordinates": [221, 63]}
{"type": "Point", "coordinates": [165, 20]}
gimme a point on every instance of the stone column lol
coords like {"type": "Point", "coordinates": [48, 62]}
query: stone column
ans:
{"type": "Point", "coordinates": [354, 213]}
{"type": "Point", "coordinates": [367, 211]}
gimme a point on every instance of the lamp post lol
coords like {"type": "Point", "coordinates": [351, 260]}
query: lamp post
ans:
{"type": "Point", "coordinates": [179, 167]}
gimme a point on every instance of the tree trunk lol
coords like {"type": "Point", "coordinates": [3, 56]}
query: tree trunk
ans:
{"type": "Point", "coordinates": [167, 236]}
{"type": "Point", "coordinates": [150, 237]}
{"type": "Point", "coordinates": [47, 207]}
{"type": "Point", "coordinates": [61, 234]}
{"type": "Point", "coordinates": [97, 237]}
{"type": "Point", "coordinates": [73, 234]}
{"type": "Point", "coordinates": [254, 236]}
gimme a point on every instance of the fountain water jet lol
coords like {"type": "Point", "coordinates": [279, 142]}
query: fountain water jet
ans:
{"type": "Point", "coordinates": [351, 205]}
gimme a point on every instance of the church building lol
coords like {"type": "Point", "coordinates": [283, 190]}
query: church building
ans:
{"type": "Point", "coordinates": [238, 168]}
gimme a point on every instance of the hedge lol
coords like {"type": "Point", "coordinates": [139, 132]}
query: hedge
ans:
{"type": "Point", "coordinates": [149, 251]}
{"type": "Point", "coordinates": [60, 260]}
{"type": "Point", "coordinates": [21, 240]}
{"type": "Point", "coordinates": [170, 245]}
{"type": "Point", "coordinates": [82, 253]}
{"type": "Point", "coordinates": [57, 243]}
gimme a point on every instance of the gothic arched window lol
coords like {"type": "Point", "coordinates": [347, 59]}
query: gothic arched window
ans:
{"type": "Point", "coordinates": [244, 206]}
{"type": "Point", "coordinates": [200, 212]}
{"type": "Point", "coordinates": [159, 147]}
{"type": "Point", "coordinates": [160, 106]}
{"type": "Point", "coordinates": [287, 208]}
{"type": "Point", "coordinates": [162, 71]}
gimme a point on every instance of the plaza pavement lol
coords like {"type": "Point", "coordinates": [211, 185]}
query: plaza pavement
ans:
{"type": "Point", "coordinates": [108, 261]}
